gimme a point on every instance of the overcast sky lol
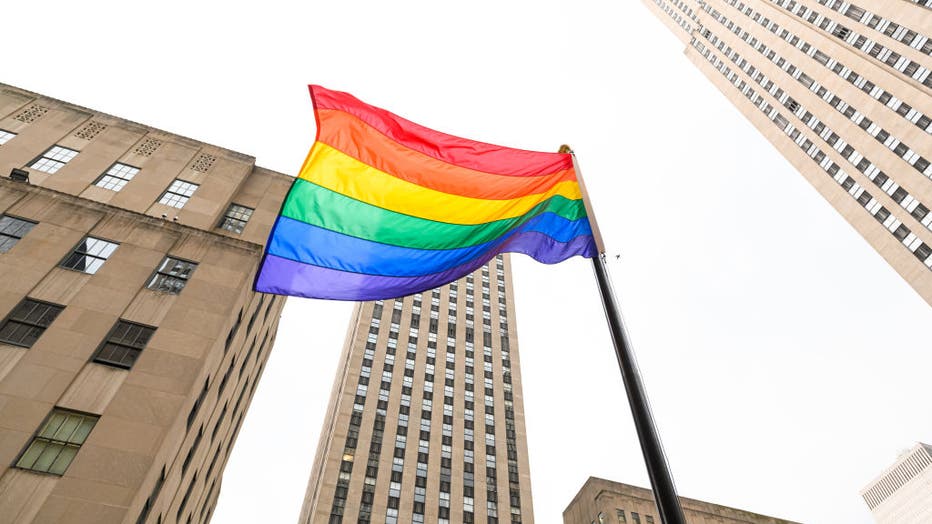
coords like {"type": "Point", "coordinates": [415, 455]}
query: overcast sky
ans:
{"type": "Point", "coordinates": [786, 362]}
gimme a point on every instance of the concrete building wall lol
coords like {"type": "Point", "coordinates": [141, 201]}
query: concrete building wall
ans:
{"type": "Point", "coordinates": [842, 90]}
{"type": "Point", "coordinates": [602, 501]}
{"type": "Point", "coordinates": [448, 357]}
{"type": "Point", "coordinates": [163, 424]}
{"type": "Point", "coordinates": [903, 493]}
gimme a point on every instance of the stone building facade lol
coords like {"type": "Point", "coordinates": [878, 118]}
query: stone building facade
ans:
{"type": "Point", "coordinates": [602, 501]}
{"type": "Point", "coordinates": [426, 418]}
{"type": "Point", "coordinates": [131, 340]}
{"type": "Point", "coordinates": [842, 90]}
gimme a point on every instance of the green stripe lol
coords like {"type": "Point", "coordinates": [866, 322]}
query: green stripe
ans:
{"type": "Point", "coordinates": [324, 208]}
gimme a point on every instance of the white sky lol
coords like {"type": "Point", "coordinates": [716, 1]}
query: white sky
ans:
{"type": "Point", "coordinates": [787, 363]}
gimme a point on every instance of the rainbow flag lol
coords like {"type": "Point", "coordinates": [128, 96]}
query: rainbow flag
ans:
{"type": "Point", "coordinates": [384, 208]}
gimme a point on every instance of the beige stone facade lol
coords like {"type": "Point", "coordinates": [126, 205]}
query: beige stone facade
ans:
{"type": "Point", "coordinates": [903, 493]}
{"type": "Point", "coordinates": [131, 339]}
{"type": "Point", "coordinates": [602, 501]}
{"type": "Point", "coordinates": [842, 90]}
{"type": "Point", "coordinates": [426, 419]}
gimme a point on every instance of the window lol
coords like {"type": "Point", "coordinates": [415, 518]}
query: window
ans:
{"type": "Point", "coordinates": [56, 444]}
{"type": "Point", "coordinates": [236, 218]}
{"type": "Point", "coordinates": [123, 345]}
{"type": "Point", "coordinates": [117, 176]}
{"type": "Point", "coordinates": [172, 275]}
{"type": "Point", "coordinates": [12, 229]}
{"type": "Point", "coordinates": [6, 136]}
{"type": "Point", "coordinates": [89, 255]}
{"type": "Point", "coordinates": [53, 159]}
{"type": "Point", "coordinates": [178, 193]}
{"type": "Point", "coordinates": [27, 322]}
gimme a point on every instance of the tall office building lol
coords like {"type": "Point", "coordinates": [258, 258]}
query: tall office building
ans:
{"type": "Point", "coordinates": [602, 501]}
{"type": "Point", "coordinates": [130, 338]}
{"type": "Point", "coordinates": [842, 90]}
{"type": "Point", "coordinates": [426, 420]}
{"type": "Point", "coordinates": [903, 493]}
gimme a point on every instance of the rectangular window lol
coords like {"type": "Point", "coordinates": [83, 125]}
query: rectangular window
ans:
{"type": "Point", "coordinates": [236, 218]}
{"type": "Point", "coordinates": [117, 176]}
{"type": "Point", "coordinates": [56, 444]}
{"type": "Point", "coordinates": [123, 345]}
{"type": "Point", "coordinates": [172, 275]}
{"type": "Point", "coordinates": [6, 136]}
{"type": "Point", "coordinates": [27, 322]}
{"type": "Point", "coordinates": [53, 159]}
{"type": "Point", "coordinates": [89, 255]}
{"type": "Point", "coordinates": [12, 229]}
{"type": "Point", "coordinates": [178, 193]}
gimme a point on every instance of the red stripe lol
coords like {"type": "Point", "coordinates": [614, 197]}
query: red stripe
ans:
{"type": "Point", "coordinates": [462, 152]}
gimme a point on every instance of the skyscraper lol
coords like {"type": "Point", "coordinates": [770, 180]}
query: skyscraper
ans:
{"type": "Point", "coordinates": [903, 493]}
{"type": "Point", "coordinates": [602, 501]}
{"type": "Point", "coordinates": [843, 92]}
{"type": "Point", "coordinates": [131, 340]}
{"type": "Point", "coordinates": [426, 420]}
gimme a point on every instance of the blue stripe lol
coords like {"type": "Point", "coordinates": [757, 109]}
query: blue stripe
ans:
{"type": "Point", "coordinates": [302, 242]}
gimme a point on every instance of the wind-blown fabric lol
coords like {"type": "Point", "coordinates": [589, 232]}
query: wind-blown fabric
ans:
{"type": "Point", "coordinates": [384, 208]}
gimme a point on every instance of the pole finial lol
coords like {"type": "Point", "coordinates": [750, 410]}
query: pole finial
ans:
{"type": "Point", "coordinates": [565, 149]}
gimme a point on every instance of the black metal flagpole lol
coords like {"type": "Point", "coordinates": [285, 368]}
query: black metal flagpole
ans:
{"type": "Point", "coordinates": [668, 504]}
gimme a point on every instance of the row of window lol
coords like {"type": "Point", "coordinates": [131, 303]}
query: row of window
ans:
{"type": "Point", "coordinates": [677, 17]}
{"type": "Point", "coordinates": [902, 233]}
{"type": "Point", "coordinates": [119, 174]}
{"type": "Point", "coordinates": [863, 164]}
{"type": "Point", "coordinates": [904, 110]}
{"type": "Point", "coordinates": [907, 67]}
{"type": "Point", "coordinates": [882, 25]}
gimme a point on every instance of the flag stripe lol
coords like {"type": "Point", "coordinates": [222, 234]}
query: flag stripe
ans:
{"type": "Point", "coordinates": [343, 174]}
{"type": "Point", "coordinates": [463, 152]}
{"type": "Point", "coordinates": [321, 247]}
{"type": "Point", "coordinates": [321, 207]}
{"type": "Point", "coordinates": [357, 139]}
{"type": "Point", "coordinates": [287, 277]}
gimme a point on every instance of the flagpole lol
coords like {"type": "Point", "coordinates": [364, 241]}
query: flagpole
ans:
{"type": "Point", "coordinates": [668, 504]}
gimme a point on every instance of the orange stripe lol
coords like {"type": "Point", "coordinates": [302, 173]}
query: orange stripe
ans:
{"type": "Point", "coordinates": [357, 139]}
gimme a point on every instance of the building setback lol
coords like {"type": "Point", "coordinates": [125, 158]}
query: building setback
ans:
{"type": "Point", "coordinates": [426, 419]}
{"type": "Point", "coordinates": [130, 340]}
{"type": "Point", "coordinates": [903, 493]}
{"type": "Point", "coordinates": [842, 90]}
{"type": "Point", "coordinates": [602, 501]}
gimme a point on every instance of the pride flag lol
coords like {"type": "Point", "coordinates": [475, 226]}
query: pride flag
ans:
{"type": "Point", "coordinates": [384, 208]}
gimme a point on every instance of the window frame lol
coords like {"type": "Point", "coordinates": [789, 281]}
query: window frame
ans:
{"type": "Point", "coordinates": [129, 349]}
{"type": "Point", "coordinates": [6, 136]}
{"type": "Point", "coordinates": [37, 436]}
{"type": "Point", "coordinates": [58, 163]}
{"type": "Point", "coordinates": [155, 274]}
{"type": "Point", "coordinates": [9, 318]}
{"type": "Point", "coordinates": [122, 181]}
{"type": "Point", "coordinates": [74, 251]}
{"type": "Point", "coordinates": [11, 235]}
{"type": "Point", "coordinates": [181, 197]}
{"type": "Point", "coordinates": [227, 219]}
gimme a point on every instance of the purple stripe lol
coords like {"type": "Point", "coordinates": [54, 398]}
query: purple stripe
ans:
{"type": "Point", "coordinates": [287, 277]}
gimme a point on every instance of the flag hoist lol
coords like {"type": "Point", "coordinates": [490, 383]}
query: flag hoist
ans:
{"type": "Point", "coordinates": [384, 207]}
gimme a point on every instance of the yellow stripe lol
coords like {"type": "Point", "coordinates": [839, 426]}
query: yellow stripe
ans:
{"type": "Point", "coordinates": [336, 171]}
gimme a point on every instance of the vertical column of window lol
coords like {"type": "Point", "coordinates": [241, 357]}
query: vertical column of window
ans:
{"type": "Point", "coordinates": [446, 439]}
{"type": "Point", "coordinates": [359, 402]}
{"type": "Point", "coordinates": [863, 164]}
{"type": "Point", "coordinates": [491, 468]}
{"type": "Point", "coordinates": [920, 250]}
{"type": "Point", "coordinates": [469, 409]}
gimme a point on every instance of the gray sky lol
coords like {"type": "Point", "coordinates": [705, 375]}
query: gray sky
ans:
{"type": "Point", "coordinates": [787, 363]}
